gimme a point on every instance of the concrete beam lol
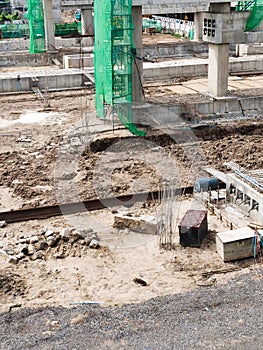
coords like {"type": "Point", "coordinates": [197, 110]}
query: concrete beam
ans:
{"type": "Point", "coordinates": [151, 6]}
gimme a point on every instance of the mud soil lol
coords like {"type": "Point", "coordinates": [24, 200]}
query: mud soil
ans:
{"type": "Point", "coordinates": [30, 151]}
{"type": "Point", "coordinates": [34, 139]}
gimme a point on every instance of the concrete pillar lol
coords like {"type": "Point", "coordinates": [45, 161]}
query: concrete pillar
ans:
{"type": "Point", "coordinates": [218, 68]}
{"type": "Point", "coordinates": [87, 22]}
{"type": "Point", "coordinates": [137, 69]}
{"type": "Point", "coordinates": [49, 25]}
{"type": "Point", "coordinates": [198, 26]}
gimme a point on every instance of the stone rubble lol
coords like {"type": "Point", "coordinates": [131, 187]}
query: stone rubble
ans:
{"type": "Point", "coordinates": [48, 243]}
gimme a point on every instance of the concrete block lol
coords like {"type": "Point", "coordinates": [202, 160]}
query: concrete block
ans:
{"type": "Point", "coordinates": [143, 224]}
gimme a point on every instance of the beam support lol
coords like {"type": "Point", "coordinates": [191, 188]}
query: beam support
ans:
{"type": "Point", "coordinates": [218, 68]}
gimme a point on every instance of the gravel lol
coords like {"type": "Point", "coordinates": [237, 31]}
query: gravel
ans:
{"type": "Point", "coordinates": [224, 316]}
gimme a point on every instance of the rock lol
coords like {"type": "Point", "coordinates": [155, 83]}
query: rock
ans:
{"type": "Point", "coordinates": [79, 319]}
{"type": "Point", "coordinates": [1, 244]}
{"type": "Point", "coordinates": [31, 249]}
{"type": "Point", "coordinates": [49, 233]}
{"type": "Point", "coordinates": [94, 244]}
{"type": "Point", "coordinates": [23, 249]}
{"type": "Point", "coordinates": [52, 241]}
{"type": "Point", "coordinates": [2, 223]}
{"type": "Point", "coordinates": [24, 240]}
{"type": "Point", "coordinates": [20, 256]}
{"type": "Point", "coordinates": [8, 249]}
{"type": "Point", "coordinates": [34, 239]}
{"type": "Point", "coordinates": [13, 260]}
{"type": "Point", "coordinates": [37, 255]}
{"type": "Point", "coordinates": [60, 255]}
{"type": "Point", "coordinates": [41, 246]}
{"type": "Point", "coordinates": [79, 234]}
{"type": "Point", "coordinates": [65, 234]}
{"type": "Point", "coordinates": [87, 240]}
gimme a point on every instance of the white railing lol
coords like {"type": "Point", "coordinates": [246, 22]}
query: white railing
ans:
{"type": "Point", "coordinates": [175, 25]}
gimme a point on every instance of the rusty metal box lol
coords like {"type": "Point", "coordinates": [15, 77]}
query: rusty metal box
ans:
{"type": "Point", "coordinates": [192, 228]}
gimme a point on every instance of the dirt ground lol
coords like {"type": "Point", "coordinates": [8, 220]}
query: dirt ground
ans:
{"type": "Point", "coordinates": [35, 140]}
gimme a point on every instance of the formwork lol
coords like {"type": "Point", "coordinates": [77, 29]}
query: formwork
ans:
{"type": "Point", "coordinates": [193, 228]}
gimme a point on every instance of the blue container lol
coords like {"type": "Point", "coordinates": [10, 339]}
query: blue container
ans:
{"type": "Point", "coordinates": [206, 183]}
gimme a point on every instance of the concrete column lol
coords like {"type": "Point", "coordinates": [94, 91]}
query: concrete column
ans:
{"type": "Point", "coordinates": [218, 68]}
{"type": "Point", "coordinates": [137, 69]}
{"type": "Point", "coordinates": [198, 26]}
{"type": "Point", "coordinates": [49, 25]}
{"type": "Point", "coordinates": [87, 22]}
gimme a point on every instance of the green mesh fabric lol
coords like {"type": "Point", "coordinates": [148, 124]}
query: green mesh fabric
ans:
{"type": "Point", "coordinates": [256, 16]}
{"type": "Point", "coordinates": [36, 26]}
{"type": "Point", "coordinates": [244, 5]}
{"type": "Point", "coordinates": [113, 59]}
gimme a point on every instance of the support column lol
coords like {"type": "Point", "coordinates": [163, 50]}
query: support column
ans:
{"type": "Point", "coordinates": [137, 69]}
{"type": "Point", "coordinates": [198, 26]}
{"type": "Point", "coordinates": [218, 66]}
{"type": "Point", "coordinates": [218, 69]}
{"type": "Point", "coordinates": [87, 22]}
{"type": "Point", "coordinates": [49, 25]}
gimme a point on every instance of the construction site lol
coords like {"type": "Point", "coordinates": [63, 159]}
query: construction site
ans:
{"type": "Point", "coordinates": [131, 189]}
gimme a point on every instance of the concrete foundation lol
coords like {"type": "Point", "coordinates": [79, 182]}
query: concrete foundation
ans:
{"type": "Point", "coordinates": [13, 45]}
{"type": "Point", "coordinates": [78, 61]}
{"type": "Point", "coordinates": [171, 70]}
{"type": "Point", "coordinates": [46, 81]}
{"type": "Point", "coordinates": [250, 49]}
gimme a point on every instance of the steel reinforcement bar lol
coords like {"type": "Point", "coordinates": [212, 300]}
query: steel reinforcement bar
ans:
{"type": "Point", "coordinates": [89, 205]}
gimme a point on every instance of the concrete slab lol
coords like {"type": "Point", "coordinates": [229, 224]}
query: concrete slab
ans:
{"type": "Point", "coordinates": [239, 85]}
{"type": "Point", "coordinates": [198, 87]}
{"type": "Point", "coordinates": [181, 89]}
{"type": "Point", "coordinates": [253, 83]}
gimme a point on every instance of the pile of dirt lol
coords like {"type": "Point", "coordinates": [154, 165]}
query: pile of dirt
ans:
{"type": "Point", "coordinates": [11, 284]}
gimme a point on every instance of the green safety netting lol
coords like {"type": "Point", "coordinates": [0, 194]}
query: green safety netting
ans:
{"type": "Point", "coordinates": [256, 15]}
{"type": "Point", "coordinates": [244, 5]}
{"type": "Point", "coordinates": [113, 59]}
{"type": "Point", "coordinates": [36, 26]}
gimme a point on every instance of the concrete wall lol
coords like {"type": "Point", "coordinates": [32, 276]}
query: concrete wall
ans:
{"type": "Point", "coordinates": [181, 49]}
{"type": "Point", "coordinates": [250, 49]}
{"type": "Point", "coordinates": [31, 60]}
{"type": "Point", "coordinates": [158, 115]}
{"type": "Point", "coordinates": [196, 68]}
{"type": "Point", "coordinates": [23, 44]}
{"type": "Point", "coordinates": [78, 61]}
{"type": "Point", "coordinates": [49, 81]}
